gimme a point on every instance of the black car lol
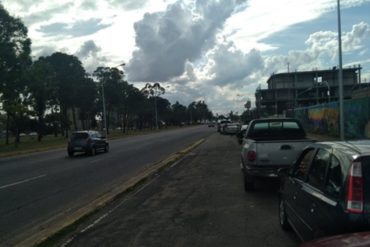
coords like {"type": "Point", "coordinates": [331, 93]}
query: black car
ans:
{"type": "Point", "coordinates": [327, 190]}
{"type": "Point", "coordinates": [88, 142]}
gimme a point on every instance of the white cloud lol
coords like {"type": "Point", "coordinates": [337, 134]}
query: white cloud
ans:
{"type": "Point", "coordinates": [231, 66]}
{"type": "Point", "coordinates": [263, 18]}
{"type": "Point", "coordinates": [321, 50]}
{"type": "Point", "coordinates": [214, 50]}
{"type": "Point", "coordinates": [167, 40]}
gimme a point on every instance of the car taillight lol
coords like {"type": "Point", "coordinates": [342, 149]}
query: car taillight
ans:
{"type": "Point", "coordinates": [355, 193]}
{"type": "Point", "coordinates": [251, 155]}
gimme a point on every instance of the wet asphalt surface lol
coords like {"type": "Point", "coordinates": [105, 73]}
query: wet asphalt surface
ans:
{"type": "Point", "coordinates": [200, 201]}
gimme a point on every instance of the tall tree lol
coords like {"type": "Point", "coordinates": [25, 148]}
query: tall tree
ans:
{"type": "Point", "coordinates": [198, 111]}
{"type": "Point", "coordinates": [87, 102]}
{"type": "Point", "coordinates": [69, 74]}
{"type": "Point", "coordinates": [137, 107]}
{"type": "Point", "coordinates": [14, 61]}
{"type": "Point", "coordinates": [41, 88]}
{"type": "Point", "coordinates": [111, 88]}
{"type": "Point", "coordinates": [154, 91]}
{"type": "Point", "coordinates": [179, 113]}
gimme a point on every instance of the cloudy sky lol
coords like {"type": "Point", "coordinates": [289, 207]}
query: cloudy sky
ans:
{"type": "Point", "coordinates": [219, 51]}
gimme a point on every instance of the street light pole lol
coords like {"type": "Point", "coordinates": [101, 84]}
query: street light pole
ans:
{"type": "Point", "coordinates": [156, 113]}
{"type": "Point", "coordinates": [104, 112]}
{"type": "Point", "coordinates": [328, 92]}
{"type": "Point", "coordinates": [340, 76]}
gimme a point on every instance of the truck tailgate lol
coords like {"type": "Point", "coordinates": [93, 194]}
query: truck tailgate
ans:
{"type": "Point", "coordinates": [279, 152]}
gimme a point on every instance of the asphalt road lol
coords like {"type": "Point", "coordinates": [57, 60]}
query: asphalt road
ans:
{"type": "Point", "coordinates": [38, 187]}
{"type": "Point", "coordinates": [200, 201]}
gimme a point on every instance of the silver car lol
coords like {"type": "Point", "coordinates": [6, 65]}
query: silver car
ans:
{"type": "Point", "coordinates": [231, 128]}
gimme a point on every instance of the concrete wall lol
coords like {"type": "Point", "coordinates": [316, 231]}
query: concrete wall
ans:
{"type": "Point", "coordinates": [324, 118]}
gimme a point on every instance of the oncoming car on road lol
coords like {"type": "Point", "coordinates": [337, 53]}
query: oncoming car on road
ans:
{"type": "Point", "coordinates": [88, 142]}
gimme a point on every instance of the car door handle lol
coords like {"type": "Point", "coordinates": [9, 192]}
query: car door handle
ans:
{"type": "Point", "coordinates": [295, 196]}
{"type": "Point", "coordinates": [312, 209]}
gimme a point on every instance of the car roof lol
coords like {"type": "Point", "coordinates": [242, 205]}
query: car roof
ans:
{"type": "Point", "coordinates": [275, 119]}
{"type": "Point", "coordinates": [83, 131]}
{"type": "Point", "coordinates": [350, 148]}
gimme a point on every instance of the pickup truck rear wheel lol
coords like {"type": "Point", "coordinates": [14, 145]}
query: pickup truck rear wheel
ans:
{"type": "Point", "coordinates": [248, 182]}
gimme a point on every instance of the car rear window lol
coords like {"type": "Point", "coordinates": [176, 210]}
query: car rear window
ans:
{"type": "Point", "coordinates": [277, 130]}
{"type": "Point", "coordinates": [76, 136]}
{"type": "Point", "coordinates": [366, 176]}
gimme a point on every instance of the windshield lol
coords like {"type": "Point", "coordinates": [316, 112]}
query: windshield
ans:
{"type": "Point", "coordinates": [76, 136]}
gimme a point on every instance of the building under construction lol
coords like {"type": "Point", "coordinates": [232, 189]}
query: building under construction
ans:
{"type": "Point", "coordinates": [287, 91]}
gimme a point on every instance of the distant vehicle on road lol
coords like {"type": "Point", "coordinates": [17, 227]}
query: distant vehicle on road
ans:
{"type": "Point", "coordinates": [231, 128]}
{"type": "Point", "coordinates": [88, 142]}
{"type": "Point", "coordinates": [221, 123]}
{"type": "Point", "coordinates": [327, 191]}
{"type": "Point", "coordinates": [269, 145]}
{"type": "Point", "coordinates": [211, 124]}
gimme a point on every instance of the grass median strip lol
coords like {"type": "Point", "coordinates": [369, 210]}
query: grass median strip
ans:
{"type": "Point", "coordinates": [49, 232]}
{"type": "Point", "coordinates": [29, 144]}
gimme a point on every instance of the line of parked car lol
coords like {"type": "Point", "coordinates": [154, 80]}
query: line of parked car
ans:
{"type": "Point", "coordinates": [324, 186]}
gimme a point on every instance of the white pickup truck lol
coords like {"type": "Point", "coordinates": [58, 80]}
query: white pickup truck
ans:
{"type": "Point", "coordinates": [268, 145]}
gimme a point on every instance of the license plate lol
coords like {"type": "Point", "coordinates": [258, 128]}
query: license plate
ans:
{"type": "Point", "coordinates": [77, 149]}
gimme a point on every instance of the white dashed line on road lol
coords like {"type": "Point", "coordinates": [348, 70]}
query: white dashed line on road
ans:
{"type": "Point", "coordinates": [22, 181]}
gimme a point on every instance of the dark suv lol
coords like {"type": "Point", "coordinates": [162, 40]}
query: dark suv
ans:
{"type": "Point", "coordinates": [88, 142]}
{"type": "Point", "coordinates": [327, 190]}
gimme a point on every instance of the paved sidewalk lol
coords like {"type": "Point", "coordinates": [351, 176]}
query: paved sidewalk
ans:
{"type": "Point", "coordinates": [198, 202]}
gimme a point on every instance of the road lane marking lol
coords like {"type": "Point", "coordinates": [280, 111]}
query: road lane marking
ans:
{"type": "Point", "coordinates": [76, 217]}
{"type": "Point", "coordinates": [122, 203]}
{"type": "Point", "coordinates": [96, 160]}
{"type": "Point", "coordinates": [22, 181]}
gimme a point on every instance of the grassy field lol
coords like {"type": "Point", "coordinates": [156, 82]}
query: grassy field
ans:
{"type": "Point", "coordinates": [29, 144]}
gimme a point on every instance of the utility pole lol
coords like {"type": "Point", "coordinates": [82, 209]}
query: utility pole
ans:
{"type": "Point", "coordinates": [156, 113]}
{"type": "Point", "coordinates": [104, 112]}
{"type": "Point", "coordinates": [316, 86]}
{"type": "Point", "coordinates": [340, 76]}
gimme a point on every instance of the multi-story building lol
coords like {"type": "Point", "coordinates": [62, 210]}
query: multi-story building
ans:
{"type": "Point", "coordinates": [286, 91]}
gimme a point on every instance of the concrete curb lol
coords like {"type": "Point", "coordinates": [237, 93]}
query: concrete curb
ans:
{"type": "Point", "coordinates": [65, 220]}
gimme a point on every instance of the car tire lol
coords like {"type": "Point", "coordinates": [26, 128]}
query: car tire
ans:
{"type": "Point", "coordinates": [92, 151]}
{"type": "Point", "coordinates": [283, 219]}
{"type": "Point", "coordinates": [248, 182]}
{"type": "Point", "coordinates": [106, 148]}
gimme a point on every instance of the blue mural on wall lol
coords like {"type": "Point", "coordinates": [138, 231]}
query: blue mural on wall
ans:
{"type": "Point", "coordinates": [324, 119]}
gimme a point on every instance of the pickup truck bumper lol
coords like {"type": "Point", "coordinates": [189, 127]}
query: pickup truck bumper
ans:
{"type": "Point", "coordinates": [262, 171]}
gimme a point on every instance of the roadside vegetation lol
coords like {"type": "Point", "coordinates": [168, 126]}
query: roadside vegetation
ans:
{"type": "Point", "coordinates": [30, 143]}
{"type": "Point", "coordinates": [50, 96]}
